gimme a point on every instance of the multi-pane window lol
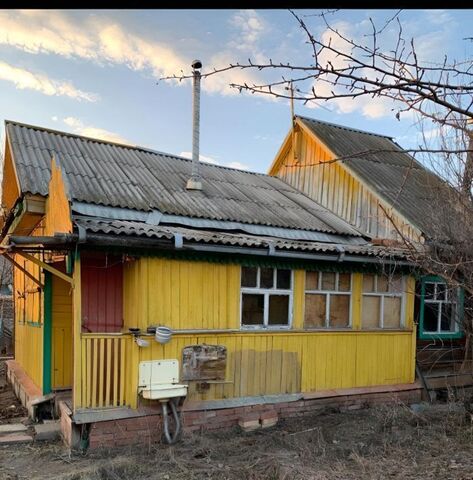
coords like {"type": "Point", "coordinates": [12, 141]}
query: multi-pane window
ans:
{"type": "Point", "coordinates": [327, 300]}
{"type": "Point", "coordinates": [440, 308]}
{"type": "Point", "coordinates": [383, 301]}
{"type": "Point", "coordinates": [266, 297]}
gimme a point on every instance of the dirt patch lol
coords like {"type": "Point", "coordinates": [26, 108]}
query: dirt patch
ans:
{"type": "Point", "coordinates": [391, 442]}
{"type": "Point", "coordinates": [10, 407]}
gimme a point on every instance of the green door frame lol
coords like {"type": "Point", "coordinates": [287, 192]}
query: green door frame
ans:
{"type": "Point", "coordinates": [47, 332]}
{"type": "Point", "coordinates": [447, 335]}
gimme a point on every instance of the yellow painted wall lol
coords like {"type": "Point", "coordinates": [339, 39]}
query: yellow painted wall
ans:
{"type": "Point", "coordinates": [29, 317]}
{"type": "Point", "coordinates": [61, 344]}
{"type": "Point", "coordinates": [332, 185]}
{"type": "Point", "coordinates": [197, 295]}
{"type": "Point", "coordinates": [181, 294]}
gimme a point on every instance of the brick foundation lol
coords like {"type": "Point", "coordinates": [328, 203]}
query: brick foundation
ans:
{"type": "Point", "coordinates": [146, 430]}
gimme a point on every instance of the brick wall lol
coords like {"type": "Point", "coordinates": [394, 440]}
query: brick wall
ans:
{"type": "Point", "coordinates": [148, 429]}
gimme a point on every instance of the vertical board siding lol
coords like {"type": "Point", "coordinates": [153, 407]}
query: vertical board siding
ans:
{"type": "Point", "coordinates": [102, 293]}
{"type": "Point", "coordinates": [257, 364]}
{"type": "Point", "coordinates": [61, 333]}
{"type": "Point", "coordinates": [334, 187]}
{"type": "Point", "coordinates": [205, 296]}
{"type": "Point", "coordinates": [28, 300]}
{"type": "Point", "coordinates": [181, 294]}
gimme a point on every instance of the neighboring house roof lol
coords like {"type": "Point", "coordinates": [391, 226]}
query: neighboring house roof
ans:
{"type": "Point", "coordinates": [105, 173]}
{"type": "Point", "coordinates": [394, 175]}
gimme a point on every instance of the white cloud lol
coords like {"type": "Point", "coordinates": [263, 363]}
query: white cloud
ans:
{"type": "Point", "coordinates": [97, 39]}
{"type": "Point", "coordinates": [54, 118]}
{"type": "Point", "coordinates": [212, 161]}
{"type": "Point", "coordinates": [94, 132]}
{"type": "Point", "coordinates": [25, 79]}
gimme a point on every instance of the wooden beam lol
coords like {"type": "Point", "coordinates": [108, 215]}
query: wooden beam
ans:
{"type": "Point", "coordinates": [76, 337]}
{"type": "Point", "coordinates": [47, 267]}
{"type": "Point", "coordinates": [22, 269]}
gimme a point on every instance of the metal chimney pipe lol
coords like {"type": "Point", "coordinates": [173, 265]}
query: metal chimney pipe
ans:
{"type": "Point", "coordinates": [195, 183]}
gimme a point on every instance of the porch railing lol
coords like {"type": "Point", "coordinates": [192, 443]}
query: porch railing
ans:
{"type": "Point", "coordinates": [103, 370]}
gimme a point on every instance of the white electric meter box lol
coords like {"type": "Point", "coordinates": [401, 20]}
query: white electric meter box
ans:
{"type": "Point", "coordinates": [158, 380]}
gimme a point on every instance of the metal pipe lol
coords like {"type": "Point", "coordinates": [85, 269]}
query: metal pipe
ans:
{"type": "Point", "coordinates": [195, 183]}
{"type": "Point", "coordinates": [168, 438]}
{"type": "Point", "coordinates": [168, 244]}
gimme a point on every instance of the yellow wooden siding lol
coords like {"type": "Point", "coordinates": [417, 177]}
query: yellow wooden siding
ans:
{"type": "Point", "coordinates": [29, 317]}
{"type": "Point", "coordinates": [257, 363]}
{"type": "Point", "coordinates": [181, 294]}
{"type": "Point", "coordinates": [58, 215]}
{"type": "Point", "coordinates": [335, 187]}
{"type": "Point", "coordinates": [10, 187]}
{"type": "Point", "coordinates": [194, 295]}
{"type": "Point", "coordinates": [61, 323]}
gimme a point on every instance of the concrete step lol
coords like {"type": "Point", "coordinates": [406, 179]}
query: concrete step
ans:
{"type": "Point", "coordinates": [47, 431]}
{"type": "Point", "coordinates": [8, 428]}
{"type": "Point", "coordinates": [13, 438]}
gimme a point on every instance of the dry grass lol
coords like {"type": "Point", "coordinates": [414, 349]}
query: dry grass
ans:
{"type": "Point", "coordinates": [392, 442]}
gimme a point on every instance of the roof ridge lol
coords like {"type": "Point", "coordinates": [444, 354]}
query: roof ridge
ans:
{"type": "Point", "coordinates": [344, 127]}
{"type": "Point", "coordinates": [127, 146]}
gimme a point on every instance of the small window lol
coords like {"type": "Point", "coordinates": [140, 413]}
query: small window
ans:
{"type": "Point", "coordinates": [382, 302]}
{"type": "Point", "coordinates": [266, 297]}
{"type": "Point", "coordinates": [327, 300]}
{"type": "Point", "coordinates": [440, 308]}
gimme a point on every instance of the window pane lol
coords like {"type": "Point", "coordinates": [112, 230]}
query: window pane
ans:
{"type": "Point", "coordinates": [311, 280]}
{"type": "Point", "coordinates": [370, 312]}
{"type": "Point", "coordinates": [278, 310]}
{"type": "Point", "coordinates": [339, 310]}
{"type": "Point", "coordinates": [382, 283]}
{"type": "Point", "coordinates": [344, 282]}
{"type": "Point", "coordinates": [429, 290]}
{"type": "Point", "coordinates": [314, 310]}
{"type": "Point", "coordinates": [266, 280]}
{"type": "Point", "coordinates": [248, 276]}
{"type": "Point", "coordinates": [283, 279]}
{"type": "Point", "coordinates": [431, 311]}
{"type": "Point", "coordinates": [441, 289]}
{"type": "Point", "coordinates": [368, 283]}
{"type": "Point", "coordinates": [395, 284]}
{"type": "Point", "coordinates": [328, 281]}
{"type": "Point", "coordinates": [252, 309]}
{"type": "Point", "coordinates": [392, 312]}
{"type": "Point", "coordinates": [447, 320]}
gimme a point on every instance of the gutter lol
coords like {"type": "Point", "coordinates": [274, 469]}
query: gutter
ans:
{"type": "Point", "coordinates": [176, 243]}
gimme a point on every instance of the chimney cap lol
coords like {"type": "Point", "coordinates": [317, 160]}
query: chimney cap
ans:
{"type": "Point", "coordinates": [196, 64]}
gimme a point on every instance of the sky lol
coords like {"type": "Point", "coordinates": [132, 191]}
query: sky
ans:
{"type": "Point", "coordinates": [97, 73]}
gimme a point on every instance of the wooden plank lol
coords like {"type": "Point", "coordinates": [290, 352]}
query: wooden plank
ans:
{"type": "Point", "coordinates": [122, 374]}
{"type": "Point", "coordinates": [101, 371]}
{"type": "Point", "coordinates": [46, 266]}
{"type": "Point", "coordinates": [108, 364]}
{"type": "Point", "coordinates": [117, 344]}
{"type": "Point", "coordinates": [76, 332]}
{"type": "Point", "coordinates": [95, 343]}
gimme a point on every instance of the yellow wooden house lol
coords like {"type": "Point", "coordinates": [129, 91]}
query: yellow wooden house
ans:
{"type": "Point", "coordinates": [273, 300]}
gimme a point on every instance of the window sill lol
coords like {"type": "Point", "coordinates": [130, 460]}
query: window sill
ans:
{"type": "Point", "coordinates": [444, 335]}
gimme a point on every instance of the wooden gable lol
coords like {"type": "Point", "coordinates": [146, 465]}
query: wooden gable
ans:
{"type": "Point", "coordinates": [307, 164]}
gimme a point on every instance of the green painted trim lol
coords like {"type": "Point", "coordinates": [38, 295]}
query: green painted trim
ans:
{"type": "Point", "coordinates": [254, 260]}
{"type": "Point", "coordinates": [460, 311]}
{"type": "Point", "coordinates": [69, 263]}
{"type": "Point", "coordinates": [47, 333]}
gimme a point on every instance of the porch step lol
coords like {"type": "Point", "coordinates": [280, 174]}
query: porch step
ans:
{"type": "Point", "coordinates": [49, 431]}
{"type": "Point", "coordinates": [12, 428]}
{"type": "Point", "coordinates": [17, 437]}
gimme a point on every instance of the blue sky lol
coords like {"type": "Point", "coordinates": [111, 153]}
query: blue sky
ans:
{"type": "Point", "coordinates": [94, 72]}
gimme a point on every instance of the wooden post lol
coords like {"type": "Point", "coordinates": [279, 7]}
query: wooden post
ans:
{"type": "Point", "coordinates": [357, 295]}
{"type": "Point", "coordinates": [76, 336]}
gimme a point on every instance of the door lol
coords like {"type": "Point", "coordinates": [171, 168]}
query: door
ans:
{"type": "Point", "coordinates": [61, 333]}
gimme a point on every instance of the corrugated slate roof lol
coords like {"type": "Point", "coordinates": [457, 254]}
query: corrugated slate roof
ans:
{"type": "Point", "coordinates": [106, 173]}
{"type": "Point", "coordinates": [396, 176]}
{"type": "Point", "coordinates": [142, 229]}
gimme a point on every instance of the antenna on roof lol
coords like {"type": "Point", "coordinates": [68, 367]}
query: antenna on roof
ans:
{"type": "Point", "coordinates": [295, 137]}
{"type": "Point", "coordinates": [195, 183]}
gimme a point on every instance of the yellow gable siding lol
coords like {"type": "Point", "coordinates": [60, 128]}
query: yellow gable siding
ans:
{"type": "Point", "coordinates": [58, 215]}
{"type": "Point", "coordinates": [334, 187]}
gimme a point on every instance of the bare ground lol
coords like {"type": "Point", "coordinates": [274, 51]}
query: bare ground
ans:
{"type": "Point", "coordinates": [389, 442]}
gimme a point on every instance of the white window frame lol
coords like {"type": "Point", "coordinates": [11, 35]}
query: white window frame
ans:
{"type": "Point", "coordinates": [402, 294]}
{"type": "Point", "coordinates": [267, 292]}
{"type": "Point", "coordinates": [328, 294]}
{"type": "Point", "coordinates": [441, 302]}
